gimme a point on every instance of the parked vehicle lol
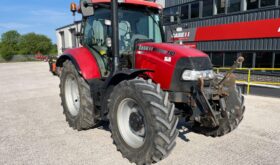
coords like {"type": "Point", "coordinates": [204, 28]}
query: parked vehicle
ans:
{"type": "Point", "coordinates": [126, 73]}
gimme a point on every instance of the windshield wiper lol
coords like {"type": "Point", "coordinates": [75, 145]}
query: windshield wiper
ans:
{"type": "Point", "coordinates": [152, 15]}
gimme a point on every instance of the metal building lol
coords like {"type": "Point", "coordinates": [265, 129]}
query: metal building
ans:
{"type": "Point", "coordinates": [227, 28]}
{"type": "Point", "coordinates": [66, 37]}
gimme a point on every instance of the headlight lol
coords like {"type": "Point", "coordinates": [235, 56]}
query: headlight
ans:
{"type": "Point", "coordinates": [194, 75]}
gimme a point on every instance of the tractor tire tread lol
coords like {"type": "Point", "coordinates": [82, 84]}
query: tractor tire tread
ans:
{"type": "Point", "coordinates": [85, 118]}
{"type": "Point", "coordinates": [161, 111]}
{"type": "Point", "coordinates": [226, 125]}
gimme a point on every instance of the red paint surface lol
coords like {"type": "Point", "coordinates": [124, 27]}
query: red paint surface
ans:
{"type": "Point", "coordinates": [191, 45]}
{"type": "Point", "coordinates": [154, 60]}
{"type": "Point", "coordinates": [87, 63]}
{"type": "Point", "coordinates": [54, 67]}
{"type": "Point", "coordinates": [179, 39]}
{"type": "Point", "coordinates": [134, 2]}
{"type": "Point", "coordinates": [242, 30]}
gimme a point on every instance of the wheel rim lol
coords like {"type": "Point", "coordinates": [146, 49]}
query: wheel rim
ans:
{"type": "Point", "coordinates": [131, 123]}
{"type": "Point", "coordinates": [72, 95]}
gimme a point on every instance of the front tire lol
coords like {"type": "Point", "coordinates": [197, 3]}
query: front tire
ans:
{"type": "Point", "coordinates": [142, 121]}
{"type": "Point", "coordinates": [235, 109]}
{"type": "Point", "coordinates": [76, 98]}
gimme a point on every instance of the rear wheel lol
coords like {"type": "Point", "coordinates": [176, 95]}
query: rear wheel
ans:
{"type": "Point", "coordinates": [235, 110]}
{"type": "Point", "coordinates": [76, 98]}
{"type": "Point", "coordinates": [142, 121]}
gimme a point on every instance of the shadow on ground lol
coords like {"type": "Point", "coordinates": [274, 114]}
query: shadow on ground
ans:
{"type": "Point", "coordinates": [183, 127]}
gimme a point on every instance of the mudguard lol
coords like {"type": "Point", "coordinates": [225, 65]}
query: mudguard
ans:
{"type": "Point", "coordinates": [84, 62]}
{"type": "Point", "coordinates": [125, 75]}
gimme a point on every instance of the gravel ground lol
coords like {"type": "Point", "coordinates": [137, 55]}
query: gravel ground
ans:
{"type": "Point", "coordinates": [33, 129]}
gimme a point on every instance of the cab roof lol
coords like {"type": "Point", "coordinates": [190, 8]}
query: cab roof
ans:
{"type": "Point", "coordinates": [134, 2]}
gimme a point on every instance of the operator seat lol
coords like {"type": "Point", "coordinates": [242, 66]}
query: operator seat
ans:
{"type": "Point", "coordinates": [124, 32]}
{"type": "Point", "coordinates": [97, 45]}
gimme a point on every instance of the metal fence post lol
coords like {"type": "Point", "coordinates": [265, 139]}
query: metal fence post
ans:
{"type": "Point", "coordinates": [248, 81]}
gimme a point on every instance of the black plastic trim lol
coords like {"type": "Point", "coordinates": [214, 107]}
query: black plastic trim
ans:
{"type": "Point", "coordinates": [192, 63]}
{"type": "Point", "coordinates": [65, 57]}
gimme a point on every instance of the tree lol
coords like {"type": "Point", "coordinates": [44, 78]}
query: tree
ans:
{"type": "Point", "coordinates": [9, 44]}
{"type": "Point", "coordinates": [32, 43]}
{"type": "Point", "coordinates": [7, 52]}
{"type": "Point", "coordinates": [54, 50]}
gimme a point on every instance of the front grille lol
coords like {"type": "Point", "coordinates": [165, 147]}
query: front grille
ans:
{"type": "Point", "coordinates": [193, 63]}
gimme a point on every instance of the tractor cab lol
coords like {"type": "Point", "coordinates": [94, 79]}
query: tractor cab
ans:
{"type": "Point", "coordinates": [136, 23]}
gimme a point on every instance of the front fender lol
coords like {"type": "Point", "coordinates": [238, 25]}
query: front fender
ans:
{"type": "Point", "coordinates": [125, 75]}
{"type": "Point", "coordinates": [84, 62]}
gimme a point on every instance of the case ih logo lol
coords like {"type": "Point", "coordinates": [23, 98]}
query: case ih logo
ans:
{"type": "Point", "coordinates": [184, 35]}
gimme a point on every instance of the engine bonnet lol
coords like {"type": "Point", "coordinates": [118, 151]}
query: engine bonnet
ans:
{"type": "Point", "coordinates": [175, 50]}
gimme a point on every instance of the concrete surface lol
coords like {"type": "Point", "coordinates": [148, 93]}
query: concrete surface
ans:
{"type": "Point", "coordinates": [33, 129]}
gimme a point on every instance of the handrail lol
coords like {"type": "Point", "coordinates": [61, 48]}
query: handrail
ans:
{"type": "Point", "coordinates": [249, 73]}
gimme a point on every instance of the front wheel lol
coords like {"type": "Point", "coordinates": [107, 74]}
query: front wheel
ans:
{"type": "Point", "coordinates": [142, 121]}
{"type": "Point", "coordinates": [235, 109]}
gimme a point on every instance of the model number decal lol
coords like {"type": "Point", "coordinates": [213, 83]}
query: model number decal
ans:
{"type": "Point", "coordinates": [167, 59]}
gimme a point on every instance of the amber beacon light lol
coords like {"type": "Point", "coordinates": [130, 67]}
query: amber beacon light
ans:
{"type": "Point", "coordinates": [73, 8]}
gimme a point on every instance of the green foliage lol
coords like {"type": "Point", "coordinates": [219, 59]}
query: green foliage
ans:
{"type": "Point", "coordinates": [7, 52]}
{"type": "Point", "coordinates": [11, 38]}
{"type": "Point", "coordinates": [9, 44]}
{"type": "Point", "coordinates": [54, 50]}
{"type": "Point", "coordinates": [34, 43]}
{"type": "Point", "coordinates": [12, 43]}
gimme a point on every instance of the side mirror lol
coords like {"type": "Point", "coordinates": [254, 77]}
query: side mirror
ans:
{"type": "Point", "coordinates": [86, 8]}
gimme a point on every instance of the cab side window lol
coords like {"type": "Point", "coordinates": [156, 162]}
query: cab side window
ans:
{"type": "Point", "coordinates": [95, 31]}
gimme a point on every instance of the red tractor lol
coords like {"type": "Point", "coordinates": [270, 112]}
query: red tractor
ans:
{"type": "Point", "coordinates": [125, 73]}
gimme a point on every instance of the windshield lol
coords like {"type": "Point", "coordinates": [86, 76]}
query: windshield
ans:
{"type": "Point", "coordinates": [133, 25]}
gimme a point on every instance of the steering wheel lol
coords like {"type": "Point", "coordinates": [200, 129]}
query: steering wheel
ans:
{"type": "Point", "coordinates": [135, 37]}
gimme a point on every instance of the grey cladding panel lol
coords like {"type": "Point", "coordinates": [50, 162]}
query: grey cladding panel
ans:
{"type": "Point", "coordinates": [276, 14]}
{"type": "Point", "coordinates": [251, 16]}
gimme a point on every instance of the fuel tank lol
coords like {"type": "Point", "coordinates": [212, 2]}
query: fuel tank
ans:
{"type": "Point", "coordinates": [168, 61]}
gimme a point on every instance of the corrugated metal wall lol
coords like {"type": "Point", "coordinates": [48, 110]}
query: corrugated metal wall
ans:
{"type": "Point", "coordinates": [230, 18]}
{"type": "Point", "coordinates": [241, 17]}
{"type": "Point", "coordinates": [169, 3]}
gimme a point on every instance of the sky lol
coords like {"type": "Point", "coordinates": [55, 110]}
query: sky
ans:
{"type": "Point", "coordinates": [39, 16]}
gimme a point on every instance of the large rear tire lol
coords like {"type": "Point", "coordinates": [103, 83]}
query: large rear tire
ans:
{"type": "Point", "coordinates": [142, 121]}
{"type": "Point", "coordinates": [235, 109]}
{"type": "Point", "coordinates": [76, 98]}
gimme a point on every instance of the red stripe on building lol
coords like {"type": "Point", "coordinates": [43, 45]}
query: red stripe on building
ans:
{"type": "Point", "coordinates": [269, 28]}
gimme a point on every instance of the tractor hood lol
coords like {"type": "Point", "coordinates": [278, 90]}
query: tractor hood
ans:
{"type": "Point", "coordinates": [169, 53]}
{"type": "Point", "coordinates": [172, 50]}
{"type": "Point", "coordinates": [164, 59]}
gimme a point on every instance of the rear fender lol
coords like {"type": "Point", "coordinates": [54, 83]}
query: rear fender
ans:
{"type": "Point", "coordinates": [84, 62]}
